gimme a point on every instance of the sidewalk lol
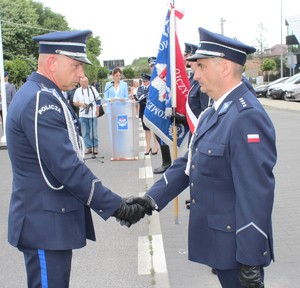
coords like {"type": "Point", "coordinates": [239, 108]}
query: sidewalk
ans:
{"type": "Point", "coordinates": [182, 273]}
{"type": "Point", "coordinates": [279, 104]}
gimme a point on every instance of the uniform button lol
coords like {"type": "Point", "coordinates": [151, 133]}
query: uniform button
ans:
{"type": "Point", "coordinates": [209, 151]}
{"type": "Point", "coordinates": [193, 201]}
{"type": "Point", "coordinates": [193, 167]}
{"type": "Point", "coordinates": [265, 253]}
{"type": "Point", "coordinates": [63, 210]}
{"type": "Point", "coordinates": [196, 149]}
{"type": "Point", "coordinates": [192, 184]}
{"type": "Point", "coordinates": [228, 227]}
{"type": "Point", "coordinates": [100, 211]}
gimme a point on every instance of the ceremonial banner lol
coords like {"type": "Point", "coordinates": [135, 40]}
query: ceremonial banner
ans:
{"type": "Point", "coordinates": [158, 111]}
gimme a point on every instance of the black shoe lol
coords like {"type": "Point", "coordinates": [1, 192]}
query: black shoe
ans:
{"type": "Point", "coordinates": [147, 153]}
{"type": "Point", "coordinates": [155, 153]}
{"type": "Point", "coordinates": [161, 169]}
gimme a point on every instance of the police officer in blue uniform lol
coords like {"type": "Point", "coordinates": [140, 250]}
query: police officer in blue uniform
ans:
{"type": "Point", "coordinates": [53, 190]}
{"type": "Point", "coordinates": [229, 170]}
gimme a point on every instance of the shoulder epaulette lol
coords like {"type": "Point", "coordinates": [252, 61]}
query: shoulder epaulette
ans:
{"type": "Point", "coordinates": [242, 104]}
{"type": "Point", "coordinates": [45, 89]}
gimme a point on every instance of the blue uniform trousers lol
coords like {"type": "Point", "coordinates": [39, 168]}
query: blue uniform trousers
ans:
{"type": "Point", "coordinates": [47, 268]}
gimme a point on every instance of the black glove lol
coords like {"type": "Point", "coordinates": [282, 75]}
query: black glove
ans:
{"type": "Point", "coordinates": [250, 276]}
{"type": "Point", "coordinates": [179, 119]}
{"type": "Point", "coordinates": [129, 214]}
{"type": "Point", "coordinates": [146, 201]}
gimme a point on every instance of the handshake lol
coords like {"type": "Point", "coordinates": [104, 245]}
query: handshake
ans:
{"type": "Point", "coordinates": [133, 209]}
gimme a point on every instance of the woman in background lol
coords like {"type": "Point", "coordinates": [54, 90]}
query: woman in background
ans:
{"type": "Point", "coordinates": [132, 95]}
{"type": "Point", "coordinates": [115, 90]}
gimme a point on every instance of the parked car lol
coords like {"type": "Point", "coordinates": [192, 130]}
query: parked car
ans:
{"type": "Point", "coordinates": [277, 91]}
{"type": "Point", "coordinates": [261, 90]}
{"type": "Point", "coordinates": [292, 94]}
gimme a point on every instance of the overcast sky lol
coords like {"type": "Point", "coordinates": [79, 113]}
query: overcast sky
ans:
{"type": "Point", "coordinates": [132, 29]}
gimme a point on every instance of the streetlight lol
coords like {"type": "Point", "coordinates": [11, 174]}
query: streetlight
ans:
{"type": "Point", "coordinates": [281, 52]}
{"type": "Point", "coordinates": [222, 26]}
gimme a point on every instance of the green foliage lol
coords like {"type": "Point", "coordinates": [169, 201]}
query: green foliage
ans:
{"type": "Point", "coordinates": [23, 19]}
{"type": "Point", "coordinates": [18, 70]}
{"type": "Point", "coordinates": [91, 71]}
{"type": "Point", "coordinates": [49, 20]}
{"type": "Point", "coordinates": [128, 72]}
{"type": "Point", "coordinates": [94, 45]}
{"type": "Point", "coordinates": [268, 65]}
{"type": "Point", "coordinates": [140, 66]}
{"type": "Point", "coordinates": [102, 73]}
{"type": "Point", "coordinates": [278, 63]}
{"type": "Point", "coordinates": [19, 20]}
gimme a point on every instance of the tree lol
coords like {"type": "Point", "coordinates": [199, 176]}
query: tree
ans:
{"type": "Point", "coordinates": [140, 66]}
{"type": "Point", "coordinates": [268, 65]}
{"type": "Point", "coordinates": [49, 20]}
{"type": "Point", "coordinates": [278, 63]}
{"type": "Point", "coordinates": [94, 45]}
{"type": "Point", "coordinates": [19, 20]}
{"type": "Point", "coordinates": [18, 71]}
{"type": "Point", "coordinates": [128, 73]}
{"type": "Point", "coordinates": [260, 41]}
{"type": "Point", "coordinates": [102, 73]}
{"type": "Point", "coordinates": [23, 19]}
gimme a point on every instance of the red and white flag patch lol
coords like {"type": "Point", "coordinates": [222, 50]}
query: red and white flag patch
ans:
{"type": "Point", "coordinates": [253, 138]}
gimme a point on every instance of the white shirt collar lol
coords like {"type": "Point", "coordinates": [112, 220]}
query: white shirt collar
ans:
{"type": "Point", "coordinates": [218, 103]}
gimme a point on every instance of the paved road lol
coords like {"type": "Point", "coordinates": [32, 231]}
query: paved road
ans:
{"type": "Point", "coordinates": [121, 257]}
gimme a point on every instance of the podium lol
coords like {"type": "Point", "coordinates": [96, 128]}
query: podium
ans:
{"type": "Point", "coordinates": [123, 126]}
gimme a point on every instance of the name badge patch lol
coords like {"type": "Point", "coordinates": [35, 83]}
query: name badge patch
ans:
{"type": "Point", "coordinates": [49, 107]}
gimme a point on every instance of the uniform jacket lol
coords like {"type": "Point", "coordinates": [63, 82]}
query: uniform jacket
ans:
{"type": "Point", "coordinates": [110, 92]}
{"type": "Point", "coordinates": [41, 215]}
{"type": "Point", "coordinates": [142, 96]}
{"type": "Point", "coordinates": [10, 92]}
{"type": "Point", "coordinates": [231, 184]}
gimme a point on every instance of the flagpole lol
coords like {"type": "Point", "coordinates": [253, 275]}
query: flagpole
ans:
{"type": "Point", "coordinates": [3, 91]}
{"type": "Point", "coordinates": [174, 96]}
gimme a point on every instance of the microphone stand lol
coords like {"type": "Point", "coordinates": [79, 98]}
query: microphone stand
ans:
{"type": "Point", "coordinates": [99, 158]}
{"type": "Point", "coordinates": [97, 98]}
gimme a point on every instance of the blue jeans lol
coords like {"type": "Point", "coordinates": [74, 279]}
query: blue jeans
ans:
{"type": "Point", "coordinates": [87, 126]}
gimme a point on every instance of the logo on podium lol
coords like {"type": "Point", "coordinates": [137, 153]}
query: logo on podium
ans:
{"type": "Point", "coordinates": [122, 122]}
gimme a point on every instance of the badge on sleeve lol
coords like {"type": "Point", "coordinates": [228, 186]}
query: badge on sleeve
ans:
{"type": "Point", "coordinates": [225, 107]}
